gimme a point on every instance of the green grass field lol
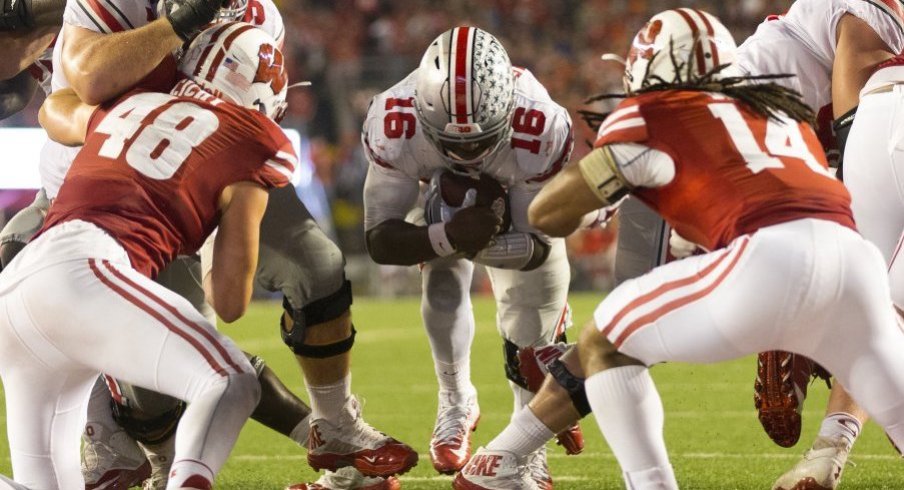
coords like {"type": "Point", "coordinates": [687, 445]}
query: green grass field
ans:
{"type": "Point", "coordinates": [713, 436]}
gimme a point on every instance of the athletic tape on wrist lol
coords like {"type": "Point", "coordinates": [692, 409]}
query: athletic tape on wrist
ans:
{"type": "Point", "coordinates": [439, 240]}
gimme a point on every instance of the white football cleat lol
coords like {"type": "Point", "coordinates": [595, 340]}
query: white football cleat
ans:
{"type": "Point", "coordinates": [819, 469]}
{"type": "Point", "coordinates": [450, 445]}
{"type": "Point", "coordinates": [353, 442]}
{"type": "Point", "coordinates": [494, 470]}
{"type": "Point", "coordinates": [539, 470]}
{"type": "Point", "coordinates": [348, 478]}
{"type": "Point", "coordinates": [111, 460]}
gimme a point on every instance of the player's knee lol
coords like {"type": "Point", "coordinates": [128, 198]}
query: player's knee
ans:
{"type": "Point", "coordinates": [597, 353]}
{"type": "Point", "coordinates": [322, 328]}
{"type": "Point", "coordinates": [242, 391]}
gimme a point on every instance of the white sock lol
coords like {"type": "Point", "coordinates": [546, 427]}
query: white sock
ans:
{"type": "Point", "coordinates": [523, 435]}
{"type": "Point", "coordinates": [327, 401]}
{"type": "Point", "coordinates": [454, 377]}
{"type": "Point", "coordinates": [301, 431]}
{"type": "Point", "coordinates": [629, 412]}
{"type": "Point", "coordinates": [840, 425]}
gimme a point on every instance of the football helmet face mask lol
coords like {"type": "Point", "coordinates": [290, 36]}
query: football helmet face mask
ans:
{"type": "Point", "coordinates": [694, 40]}
{"type": "Point", "coordinates": [232, 11]}
{"type": "Point", "coordinates": [240, 62]}
{"type": "Point", "coordinates": [465, 95]}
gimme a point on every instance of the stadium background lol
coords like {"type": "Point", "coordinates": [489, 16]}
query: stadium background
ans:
{"type": "Point", "coordinates": [352, 49]}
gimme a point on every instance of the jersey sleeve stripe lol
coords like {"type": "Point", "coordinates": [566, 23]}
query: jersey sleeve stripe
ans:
{"type": "Point", "coordinates": [623, 124]}
{"type": "Point", "coordinates": [105, 16]}
{"type": "Point", "coordinates": [93, 18]}
{"type": "Point", "coordinates": [618, 115]}
{"type": "Point", "coordinates": [280, 167]}
{"type": "Point", "coordinates": [893, 9]}
{"type": "Point", "coordinates": [122, 16]}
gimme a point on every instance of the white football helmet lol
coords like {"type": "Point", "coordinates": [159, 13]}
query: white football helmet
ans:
{"type": "Point", "coordinates": [240, 63]}
{"type": "Point", "coordinates": [465, 95]}
{"type": "Point", "coordinates": [693, 39]}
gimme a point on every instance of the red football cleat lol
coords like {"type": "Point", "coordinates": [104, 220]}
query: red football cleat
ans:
{"type": "Point", "coordinates": [450, 446]}
{"type": "Point", "coordinates": [779, 393]}
{"type": "Point", "coordinates": [351, 441]}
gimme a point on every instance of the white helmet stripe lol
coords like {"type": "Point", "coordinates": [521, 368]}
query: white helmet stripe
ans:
{"type": "Point", "coordinates": [712, 44]}
{"type": "Point", "coordinates": [461, 92]}
{"type": "Point", "coordinates": [205, 55]}
{"type": "Point", "coordinates": [221, 53]}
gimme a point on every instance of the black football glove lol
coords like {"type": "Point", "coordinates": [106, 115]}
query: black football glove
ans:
{"type": "Point", "coordinates": [15, 14]}
{"type": "Point", "coordinates": [188, 17]}
{"type": "Point", "coordinates": [471, 229]}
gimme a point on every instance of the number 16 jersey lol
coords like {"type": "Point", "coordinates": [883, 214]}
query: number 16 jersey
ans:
{"type": "Point", "coordinates": [153, 166]}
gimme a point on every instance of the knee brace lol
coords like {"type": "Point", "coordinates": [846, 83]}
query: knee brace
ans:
{"type": "Point", "coordinates": [572, 384]}
{"type": "Point", "coordinates": [148, 431]}
{"type": "Point", "coordinates": [257, 363]}
{"type": "Point", "coordinates": [320, 311]}
{"type": "Point", "coordinates": [8, 251]}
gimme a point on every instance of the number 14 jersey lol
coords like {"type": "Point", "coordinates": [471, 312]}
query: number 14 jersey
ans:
{"type": "Point", "coordinates": [715, 170]}
{"type": "Point", "coordinates": [153, 166]}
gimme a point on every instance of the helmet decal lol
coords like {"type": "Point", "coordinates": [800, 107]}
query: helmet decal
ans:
{"type": "Point", "coordinates": [270, 68]}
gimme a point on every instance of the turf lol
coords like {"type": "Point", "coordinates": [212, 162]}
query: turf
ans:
{"type": "Point", "coordinates": [713, 436]}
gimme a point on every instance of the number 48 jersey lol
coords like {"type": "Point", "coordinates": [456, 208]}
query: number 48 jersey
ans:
{"type": "Point", "coordinates": [153, 166]}
{"type": "Point", "coordinates": [715, 170]}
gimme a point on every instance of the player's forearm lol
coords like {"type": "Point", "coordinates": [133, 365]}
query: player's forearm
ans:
{"type": "Point", "coordinates": [21, 48]}
{"type": "Point", "coordinates": [102, 66]}
{"type": "Point", "coordinates": [15, 93]}
{"type": "Point", "coordinates": [397, 242]}
{"type": "Point", "coordinates": [65, 117]}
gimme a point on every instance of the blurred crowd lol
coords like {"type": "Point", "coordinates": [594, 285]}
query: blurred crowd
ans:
{"type": "Point", "coordinates": [352, 49]}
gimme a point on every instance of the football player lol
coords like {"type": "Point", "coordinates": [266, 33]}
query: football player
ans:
{"type": "Point", "coordinates": [157, 173]}
{"type": "Point", "coordinates": [465, 114]}
{"type": "Point", "coordinates": [105, 48]}
{"type": "Point", "coordinates": [748, 148]}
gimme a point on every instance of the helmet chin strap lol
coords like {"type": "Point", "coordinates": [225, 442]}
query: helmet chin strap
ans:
{"type": "Point", "coordinates": [614, 57]}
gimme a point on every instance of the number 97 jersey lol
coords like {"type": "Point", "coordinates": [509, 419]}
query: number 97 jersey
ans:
{"type": "Point", "coordinates": [153, 166]}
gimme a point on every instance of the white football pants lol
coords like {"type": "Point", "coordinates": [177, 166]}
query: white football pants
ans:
{"type": "Point", "coordinates": [808, 286]}
{"type": "Point", "coordinates": [72, 307]}
{"type": "Point", "coordinates": [874, 175]}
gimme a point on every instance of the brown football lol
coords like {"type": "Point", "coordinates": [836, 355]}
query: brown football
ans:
{"type": "Point", "coordinates": [454, 186]}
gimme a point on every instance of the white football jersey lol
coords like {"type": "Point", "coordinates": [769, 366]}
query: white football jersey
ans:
{"type": "Point", "coordinates": [802, 42]}
{"type": "Point", "coordinates": [111, 16]}
{"type": "Point", "coordinates": [396, 147]}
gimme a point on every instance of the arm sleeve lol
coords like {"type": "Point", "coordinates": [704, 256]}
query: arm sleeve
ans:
{"type": "Point", "coordinates": [388, 194]}
{"type": "Point", "coordinates": [642, 166]}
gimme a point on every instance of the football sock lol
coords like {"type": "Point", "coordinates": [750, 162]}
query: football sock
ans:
{"type": "Point", "coordinates": [629, 412]}
{"type": "Point", "coordinates": [301, 431]}
{"type": "Point", "coordinates": [328, 401]}
{"type": "Point", "coordinates": [189, 473]}
{"type": "Point", "coordinates": [839, 425]}
{"type": "Point", "coordinates": [523, 435]}
{"type": "Point", "coordinates": [454, 377]}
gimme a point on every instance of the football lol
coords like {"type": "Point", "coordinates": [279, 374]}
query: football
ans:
{"type": "Point", "coordinates": [452, 188]}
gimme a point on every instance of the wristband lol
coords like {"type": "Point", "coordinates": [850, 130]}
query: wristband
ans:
{"type": "Point", "coordinates": [439, 240]}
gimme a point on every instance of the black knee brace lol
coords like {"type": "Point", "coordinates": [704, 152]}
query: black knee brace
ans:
{"type": "Point", "coordinates": [572, 384]}
{"type": "Point", "coordinates": [148, 431]}
{"type": "Point", "coordinates": [512, 364]}
{"type": "Point", "coordinates": [320, 311]}
{"type": "Point", "coordinates": [9, 250]}
{"type": "Point", "coordinates": [257, 363]}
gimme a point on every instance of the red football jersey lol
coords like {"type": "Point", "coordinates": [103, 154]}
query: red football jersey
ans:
{"type": "Point", "coordinates": [735, 171]}
{"type": "Point", "coordinates": [153, 167]}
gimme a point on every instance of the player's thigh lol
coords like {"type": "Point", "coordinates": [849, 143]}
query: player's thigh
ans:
{"type": "Point", "coordinates": [529, 303]}
{"type": "Point", "coordinates": [706, 308]}
{"type": "Point", "coordinates": [132, 328]}
{"type": "Point", "coordinates": [296, 257]}
{"type": "Point", "coordinates": [874, 170]}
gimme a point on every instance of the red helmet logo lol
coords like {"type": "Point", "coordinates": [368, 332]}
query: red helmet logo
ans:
{"type": "Point", "coordinates": [270, 68]}
{"type": "Point", "coordinates": [642, 47]}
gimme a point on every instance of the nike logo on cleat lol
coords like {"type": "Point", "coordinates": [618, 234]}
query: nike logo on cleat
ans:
{"type": "Point", "coordinates": [483, 465]}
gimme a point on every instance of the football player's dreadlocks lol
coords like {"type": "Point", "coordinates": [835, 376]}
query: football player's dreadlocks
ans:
{"type": "Point", "coordinates": [766, 99]}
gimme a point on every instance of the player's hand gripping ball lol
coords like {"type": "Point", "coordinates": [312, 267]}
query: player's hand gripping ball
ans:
{"type": "Point", "coordinates": [474, 209]}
